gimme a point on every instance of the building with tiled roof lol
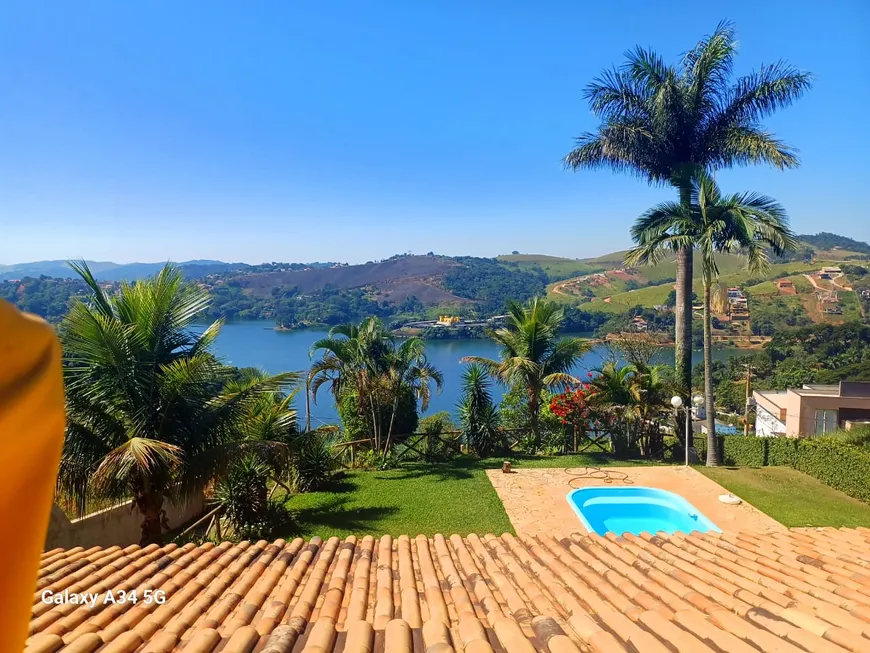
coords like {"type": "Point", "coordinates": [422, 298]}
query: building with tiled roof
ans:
{"type": "Point", "coordinates": [794, 591]}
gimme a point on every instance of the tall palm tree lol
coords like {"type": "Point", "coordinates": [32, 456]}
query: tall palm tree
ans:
{"type": "Point", "coordinates": [533, 356]}
{"type": "Point", "coordinates": [749, 224]}
{"type": "Point", "coordinates": [147, 413]}
{"type": "Point", "coordinates": [661, 122]}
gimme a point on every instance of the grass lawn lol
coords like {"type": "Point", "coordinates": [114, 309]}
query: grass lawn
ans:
{"type": "Point", "coordinates": [791, 497]}
{"type": "Point", "coordinates": [447, 498]}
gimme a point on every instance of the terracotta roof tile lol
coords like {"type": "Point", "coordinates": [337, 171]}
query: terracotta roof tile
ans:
{"type": "Point", "coordinates": [798, 591]}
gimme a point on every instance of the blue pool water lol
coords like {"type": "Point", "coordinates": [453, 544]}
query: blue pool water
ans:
{"type": "Point", "coordinates": [636, 510]}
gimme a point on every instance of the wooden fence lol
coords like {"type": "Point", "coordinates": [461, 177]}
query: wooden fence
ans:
{"type": "Point", "coordinates": [424, 444]}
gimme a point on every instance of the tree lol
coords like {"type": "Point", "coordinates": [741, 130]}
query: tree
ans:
{"type": "Point", "coordinates": [533, 357]}
{"type": "Point", "coordinates": [409, 370]}
{"type": "Point", "coordinates": [147, 412]}
{"type": "Point", "coordinates": [479, 417]}
{"type": "Point", "coordinates": [632, 397]}
{"type": "Point", "coordinates": [662, 122]}
{"type": "Point", "coordinates": [363, 361]}
{"type": "Point", "coordinates": [745, 223]}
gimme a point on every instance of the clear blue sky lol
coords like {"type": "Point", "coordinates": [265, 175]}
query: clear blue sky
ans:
{"type": "Point", "coordinates": [311, 130]}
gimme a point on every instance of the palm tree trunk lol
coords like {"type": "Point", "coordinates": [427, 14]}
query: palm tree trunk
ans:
{"type": "Point", "coordinates": [712, 446]}
{"type": "Point", "coordinates": [683, 307]}
{"type": "Point", "coordinates": [150, 505]}
{"type": "Point", "coordinates": [683, 322]}
{"type": "Point", "coordinates": [534, 410]}
{"type": "Point", "coordinates": [390, 429]}
{"type": "Point", "coordinates": [376, 434]}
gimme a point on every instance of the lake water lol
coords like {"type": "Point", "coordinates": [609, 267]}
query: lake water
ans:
{"type": "Point", "coordinates": [257, 344]}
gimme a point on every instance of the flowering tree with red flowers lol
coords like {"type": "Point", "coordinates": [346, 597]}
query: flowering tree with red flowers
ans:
{"type": "Point", "coordinates": [572, 407]}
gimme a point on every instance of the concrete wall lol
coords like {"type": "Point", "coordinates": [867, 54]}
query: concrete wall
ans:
{"type": "Point", "coordinates": [120, 525]}
{"type": "Point", "coordinates": [803, 420]}
{"type": "Point", "coordinates": [767, 425]}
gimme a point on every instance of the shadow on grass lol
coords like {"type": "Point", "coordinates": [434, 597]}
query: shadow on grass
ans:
{"type": "Point", "coordinates": [336, 514]}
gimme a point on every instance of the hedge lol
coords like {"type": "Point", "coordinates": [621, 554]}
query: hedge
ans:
{"type": "Point", "coordinates": [842, 466]}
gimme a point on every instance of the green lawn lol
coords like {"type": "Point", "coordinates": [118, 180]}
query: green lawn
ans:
{"type": "Point", "coordinates": [449, 498]}
{"type": "Point", "coordinates": [791, 497]}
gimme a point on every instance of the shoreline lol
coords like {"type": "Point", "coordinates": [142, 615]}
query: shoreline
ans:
{"type": "Point", "coordinates": [747, 343]}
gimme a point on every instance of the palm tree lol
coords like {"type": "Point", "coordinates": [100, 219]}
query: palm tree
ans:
{"type": "Point", "coordinates": [533, 357]}
{"type": "Point", "coordinates": [662, 122]}
{"type": "Point", "coordinates": [744, 223]}
{"type": "Point", "coordinates": [364, 359]}
{"type": "Point", "coordinates": [409, 369]}
{"type": "Point", "coordinates": [353, 360]}
{"type": "Point", "coordinates": [147, 413]}
{"type": "Point", "coordinates": [632, 396]}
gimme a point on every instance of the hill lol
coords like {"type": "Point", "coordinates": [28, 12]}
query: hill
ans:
{"type": "Point", "coordinates": [616, 279]}
{"type": "Point", "coordinates": [408, 288]}
{"type": "Point", "coordinates": [829, 242]}
{"type": "Point", "coordinates": [555, 267]}
{"type": "Point", "coordinates": [393, 280]}
{"type": "Point", "coordinates": [108, 271]}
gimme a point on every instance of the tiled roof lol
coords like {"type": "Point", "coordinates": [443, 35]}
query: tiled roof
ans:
{"type": "Point", "coordinates": [791, 591]}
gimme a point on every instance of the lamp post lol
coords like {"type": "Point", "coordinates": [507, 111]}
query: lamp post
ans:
{"type": "Point", "coordinates": [677, 402]}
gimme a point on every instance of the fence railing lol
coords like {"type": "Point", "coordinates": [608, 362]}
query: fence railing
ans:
{"type": "Point", "coordinates": [424, 444]}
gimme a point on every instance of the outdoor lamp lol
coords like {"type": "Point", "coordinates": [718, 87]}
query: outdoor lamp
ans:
{"type": "Point", "coordinates": [698, 400]}
{"type": "Point", "coordinates": [677, 402]}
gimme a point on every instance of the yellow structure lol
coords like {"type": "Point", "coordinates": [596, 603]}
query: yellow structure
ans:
{"type": "Point", "coordinates": [31, 437]}
{"type": "Point", "coordinates": [448, 320]}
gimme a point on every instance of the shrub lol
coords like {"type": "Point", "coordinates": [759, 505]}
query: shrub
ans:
{"type": "Point", "coordinates": [742, 450]}
{"type": "Point", "coordinates": [247, 508]}
{"type": "Point", "coordinates": [781, 451]}
{"type": "Point", "coordinates": [858, 436]}
{"type": "Point", "coordinates": [515, 416]}
{"type": "Point", "coordinates": [835, 463]}
{"type": "Point", "coordinates": [438, 445]}
{"type": "Point", "coordinates": [358, 423]}
{"type": "Point", "coordinates": [479, 417]}
{"type": "Point", "coordinates": [314, 462]}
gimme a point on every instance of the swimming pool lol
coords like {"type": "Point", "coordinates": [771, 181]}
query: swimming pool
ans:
{"type": "Point", "coordinates": [636, 510]}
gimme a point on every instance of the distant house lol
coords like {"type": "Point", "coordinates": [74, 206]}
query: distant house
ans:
{"type": "Point", "coordinates": [638, 324]}
{"type": "Point", "coordinates": [785, 283]}
{"type": "Point", "coordinates": [812, 409]}
{"type": "Point", "coordinates": [447, 320]}
{"type": "Point", "coordinates": [831, 270]}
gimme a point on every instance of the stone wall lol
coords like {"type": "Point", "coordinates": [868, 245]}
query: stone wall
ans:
{"type": "Point", "coordinates": [120, 525]}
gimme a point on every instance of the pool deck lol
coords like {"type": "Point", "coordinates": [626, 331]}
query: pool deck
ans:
{"type": "Point", "coordinates": [535, 499]}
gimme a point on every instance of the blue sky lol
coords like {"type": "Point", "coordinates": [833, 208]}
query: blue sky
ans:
{"type": "Point", "coordinates": [307, 130]}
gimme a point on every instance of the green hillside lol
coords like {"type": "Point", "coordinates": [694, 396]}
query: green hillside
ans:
{"type": "Point", "coordinates": [616, 280]}
{"type": "Point", "coordinates": [555, 267]}
{"type": "Point", "coordinates": [732, 275]}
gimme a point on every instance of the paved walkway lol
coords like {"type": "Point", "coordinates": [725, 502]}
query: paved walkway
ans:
{"type": "Point", "coordinates": [535, 499]}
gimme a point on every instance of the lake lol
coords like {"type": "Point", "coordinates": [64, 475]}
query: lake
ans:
{"type": "Point", "coordinates": [258, 344]}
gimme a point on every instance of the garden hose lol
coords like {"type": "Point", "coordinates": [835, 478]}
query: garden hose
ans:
{"type": "Point", "coordinates": [606, 476]}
